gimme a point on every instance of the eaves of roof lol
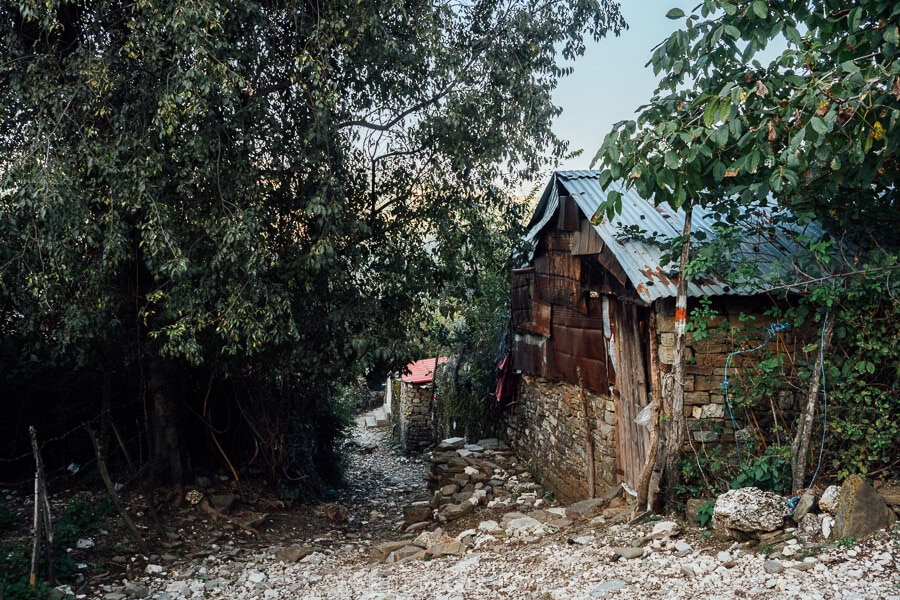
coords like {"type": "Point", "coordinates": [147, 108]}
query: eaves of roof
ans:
{"type": "Point", "coordinates": [641, 260]}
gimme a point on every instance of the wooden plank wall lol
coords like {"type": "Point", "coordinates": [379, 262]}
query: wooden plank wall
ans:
{"type": "Point", "coordinates": [631, 389]}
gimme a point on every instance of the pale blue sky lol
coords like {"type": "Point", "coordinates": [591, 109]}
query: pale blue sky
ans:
{"type": "Point", "coordinates": [610, 80]}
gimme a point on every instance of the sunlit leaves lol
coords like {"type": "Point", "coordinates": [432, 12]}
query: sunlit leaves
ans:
{"type": "Point", "coordinates": [817, 117]}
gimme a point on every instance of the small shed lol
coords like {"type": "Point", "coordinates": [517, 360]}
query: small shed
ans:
{"type": "Point", "coordinates": [593, 320]}
{"type": "Point", "coordinates": [412, 404]}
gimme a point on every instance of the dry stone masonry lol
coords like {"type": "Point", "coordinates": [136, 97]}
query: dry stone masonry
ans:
{"type": "Point", "coordinates": [547, 428]}
{"type": "Point", "coordinates": [706, 354]}
{"type": "Point", "coordinates": [414, 418]}
{"type": "Point", "coordinates": [466, 476]}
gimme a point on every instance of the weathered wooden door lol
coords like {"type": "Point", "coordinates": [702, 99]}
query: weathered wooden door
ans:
{"type": "Point", "coordinates": [631, 391]}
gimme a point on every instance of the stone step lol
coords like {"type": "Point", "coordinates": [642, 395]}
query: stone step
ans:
{"type": "Point", "coordinates": [371, 421]}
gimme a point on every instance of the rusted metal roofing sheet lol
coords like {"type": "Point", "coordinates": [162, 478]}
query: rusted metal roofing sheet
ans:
{"type": "Point", "coordinates": [641, 260]}
{"type": "Point", "coordinates": [421, 371]}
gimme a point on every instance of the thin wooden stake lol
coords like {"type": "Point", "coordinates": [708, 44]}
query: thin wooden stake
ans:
{"type": "Point", "coordinates": [37, 525]}
{"type": "Point", "coordinates": [589, 459]}
{"type": "Point", "coordinates": [48, 528]}
{"type": "Point", "coordinates": [42, 518]}
{"type": "Point", "coordinates": [645, 499]}
{"type": "Point", "coordinates": [111, 490]}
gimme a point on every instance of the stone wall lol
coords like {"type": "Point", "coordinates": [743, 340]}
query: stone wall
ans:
{"type": "Point", "coordinates": [413, 417]}
{"type": "Point", "coordinates": [706, 353]}
{"type": "Point", "coordinates": [546, 428]}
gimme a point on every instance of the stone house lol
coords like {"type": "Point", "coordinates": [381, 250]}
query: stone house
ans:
{"type": "Point", "coordinates": [593, 322]}
{"type": "Point", "coordinates": [411, 397]}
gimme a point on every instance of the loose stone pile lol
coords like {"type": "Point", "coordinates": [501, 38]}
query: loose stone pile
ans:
{"type": "Point", "coordinates": [466, 476]}
{"type": "Point", "coordinates": [526, 548]}
{"type": "Point", "coordinates": [852, 511]}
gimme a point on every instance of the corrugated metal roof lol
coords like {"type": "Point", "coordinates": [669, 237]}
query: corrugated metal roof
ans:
{"type": "Point", "coordinates": [641, 260]}
{"type": "Point", "coordinates": [421, 371]}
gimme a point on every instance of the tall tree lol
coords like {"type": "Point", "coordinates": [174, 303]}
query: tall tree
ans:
{"type": "Point", "coordinates": [799, 99]}
{"type": "Point", "coordinates": [263, 188]}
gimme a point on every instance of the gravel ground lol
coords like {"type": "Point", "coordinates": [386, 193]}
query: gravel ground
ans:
{"type": "Point", "coordinates": [551, 567]}
{"type": "Point", "coordinates": [573, 564]}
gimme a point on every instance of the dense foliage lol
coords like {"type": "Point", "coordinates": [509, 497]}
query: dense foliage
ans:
{"type": "Point", "coordinates": [476, 341]}
{"type": "Point", "coordinates": [266, 193]}
{"type": "Point", "coordinates": [817, 125]}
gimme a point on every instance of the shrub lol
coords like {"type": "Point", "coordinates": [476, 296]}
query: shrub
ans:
{"type": "Point", "coordinates": [770, 472]}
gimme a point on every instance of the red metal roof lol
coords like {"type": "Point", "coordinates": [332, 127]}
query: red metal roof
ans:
{"type": "Point", "coordinates": [421, 371]}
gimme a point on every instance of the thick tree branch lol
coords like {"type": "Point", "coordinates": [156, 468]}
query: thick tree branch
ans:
{"type": "Point", "coordinates": [400, 116]}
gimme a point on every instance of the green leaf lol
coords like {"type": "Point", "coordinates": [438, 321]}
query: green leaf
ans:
{"type": "Point", "coordinates": [724, 109]}
{"type": "Point", "coordinates": [674, 13]}
{"type": "Point", "coordinates": [892, 34]}
{"type": "Point", "coordinates": [614, 200]}
{"type": "Point", "coordinates": [849, 67]}
{"type": "Point", "coordinates": [760, 8]}
{"type": "Point", "coordinates": [709, 113]}
{"type": "Point", "coordinates": [719, 170]}
{"type": "Point", "coordinates": [671, 159]}
{"type": "Point", "coordinates": [854, 18]}
{"type": "Point", "coordinates": [733, 31]}
{"type": "Point", "coordinates": [818, 125]}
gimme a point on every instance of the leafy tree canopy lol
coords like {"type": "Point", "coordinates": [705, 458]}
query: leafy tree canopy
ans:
{"type": "Point", "coordinates": [211, 181]}
{"type": "Point", "coordinates": [816, 126]}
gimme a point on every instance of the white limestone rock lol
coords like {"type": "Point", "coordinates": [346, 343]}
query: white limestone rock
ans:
{"type": "Point", "coordinates": [749, 510]}
{"type": "Point", "coordinates": [665, 530]}
{"type": "Point", "coordinates": [828, 500]}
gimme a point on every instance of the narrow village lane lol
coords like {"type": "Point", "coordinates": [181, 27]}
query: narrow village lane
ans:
{"type": "Point", "coordinates": [504, 553]}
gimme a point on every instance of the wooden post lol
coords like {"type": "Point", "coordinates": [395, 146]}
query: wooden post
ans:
{"type": "Point", "coordinates": [42, 518]}
{"type": "Point", "coordinates": [589, 443]}
{"type": "Point", "coordinates": [37, 525]}
{"type": "Point", "coordinates": [675, 426]}
{"type": "Point", "coordinates": [645, 499]}
{"type": "Point", "coordinates": [111, 490]}
{"type": "Point", "coordinates": [800, 443]}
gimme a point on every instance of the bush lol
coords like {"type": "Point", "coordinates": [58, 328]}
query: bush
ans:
{"type": "Point", "coordinates": [465, 386]}
{"type": "Point", "coordinates": [15, 570]}
{"type": "Point", "coordinates": [770, 472]}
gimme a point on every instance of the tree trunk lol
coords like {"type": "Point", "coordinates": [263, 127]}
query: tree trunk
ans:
{"type": "Point", "coordinates": [645, 499]}
{"type": "Point", "coordinates": [675, 426]}
{"type": "Point", "coordinates": [105, 411]}
{"type": "Point", "coordinates": [166, 451]}
{"type": "Point", "coordinates": [803, 435]}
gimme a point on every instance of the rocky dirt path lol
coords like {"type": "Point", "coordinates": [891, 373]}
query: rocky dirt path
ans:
{"type": "Point", "coordinates": [583, 560]}
{"type": "Point", "coordinates": [380, 480]}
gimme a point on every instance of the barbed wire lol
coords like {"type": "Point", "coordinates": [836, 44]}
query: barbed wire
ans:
{"type": "Point", "coordinates": [62, 473]}
{"type": "Point", "coordinates": [52, 440]}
